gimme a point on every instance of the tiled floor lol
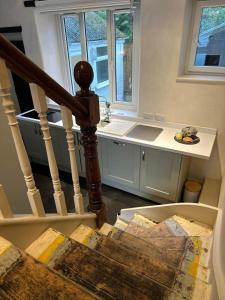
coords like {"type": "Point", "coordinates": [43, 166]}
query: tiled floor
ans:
{"type": "Point", "coordinates": [114, 199]}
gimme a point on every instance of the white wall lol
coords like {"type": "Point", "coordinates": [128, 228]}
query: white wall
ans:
{"type": "Point", "coordinates": [11, 176]}
{"type": "Point", "coordinates": [12, 13]}
{"type": "Point", "coordinates": [162, 26]}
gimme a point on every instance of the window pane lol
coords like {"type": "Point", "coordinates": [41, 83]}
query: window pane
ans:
{"type": "Point", "coordinates": [97, 49]}
{"type": "Point", "coordinates": [102, 70]}
{"type": "Point", "coordinates": [123, 57]}
{"type": "Point", "coordinates": [72, 32]}
{"type": "Point", "coordinates": [211, 39]}
{"type": "Point", "coordinates": [101, 51]}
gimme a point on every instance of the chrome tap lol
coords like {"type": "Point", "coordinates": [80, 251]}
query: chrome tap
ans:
{"type": "Point", "coordinates": [107, 112]}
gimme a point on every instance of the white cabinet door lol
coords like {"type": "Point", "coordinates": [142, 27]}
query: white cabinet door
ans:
{"type": "Point", "coordinates": [120, 163]}
{"type": "Point", "coordinates": [32, 137]}
{"type": "Point", "coordinates": [160, 173]}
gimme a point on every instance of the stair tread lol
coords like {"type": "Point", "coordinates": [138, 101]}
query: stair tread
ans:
{"type": "Point", "coordinates": [24, 278]}
{"type": "Point", "coordinates": [152, 264]}
{"type": "Point", "coordinates": [175, 225]}
{"type": "Point", "coordinates": [163, 234]}
{"type": "Point", "coordinates": [155, 266]}
{"type": "Point", "coordinates": [190, 251]}
{"type": "Point", "coordinates": [103, 276]}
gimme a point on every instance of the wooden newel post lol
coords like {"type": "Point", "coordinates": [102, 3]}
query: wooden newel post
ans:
{"type": "Point", "coordinates": [83, 74]}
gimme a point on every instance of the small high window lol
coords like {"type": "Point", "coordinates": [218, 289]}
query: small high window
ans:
{"type": "Point", "coordinates": [208, 43]}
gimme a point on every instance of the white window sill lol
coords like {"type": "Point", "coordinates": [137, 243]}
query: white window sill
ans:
{"type": "Point", "coordinates": [207, 79]}
{"type": "Point", "coordinates": [114, 111]}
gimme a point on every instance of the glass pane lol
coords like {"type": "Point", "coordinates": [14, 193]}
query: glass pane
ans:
{"type": "Point", "coordinates": [97, 51]}
{"type": "Point", "coordinates": [123, 57]}
{"type": "Point", "coordinates": [101, 51]}
{"type": "Point", "coordinates": [72, 32]}
{"type": "Point", "coordinates": [102, 70]}
{"type": "Point", "coordinates": [211, 39]}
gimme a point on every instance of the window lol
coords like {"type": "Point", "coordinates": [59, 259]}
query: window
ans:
{"type": "Point", "coordinates": [208, 44]}
{"type": "Point", "coordinates": [105, 39]}
{"type": "Point", "coordinates": [123, 48]}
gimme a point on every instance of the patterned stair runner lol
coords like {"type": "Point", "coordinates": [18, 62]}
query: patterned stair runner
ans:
{"type": "Point", "coordinates": [105, 277]}
{"type": "Point", "coordinates": [24, 278]}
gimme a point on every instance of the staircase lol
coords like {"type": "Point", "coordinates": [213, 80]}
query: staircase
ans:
{"type": "Point", "coordinates": [173, 251]}
{"type": "Point", "coordinates": [136, 260]}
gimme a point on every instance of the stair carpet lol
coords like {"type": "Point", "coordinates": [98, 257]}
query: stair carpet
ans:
{"type": "Point", "coordinates": [136, 260]}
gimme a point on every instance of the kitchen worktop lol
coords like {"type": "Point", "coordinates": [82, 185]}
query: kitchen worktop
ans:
{"type": "Point", "coordinates": [164, 141]}
{"type": "Point", "coordinates": [118, 128]}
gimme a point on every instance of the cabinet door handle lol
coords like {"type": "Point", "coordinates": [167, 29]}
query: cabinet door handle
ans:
{"type": "Point", "coordinates": [143, 155]}
{"type": "Point", "coordinates": [119, 144]}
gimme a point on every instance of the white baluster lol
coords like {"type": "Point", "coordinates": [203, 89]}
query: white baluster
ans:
{"type": "Point", "coordinates": [41, 107]}
{"type": "Point", "coordinates": [4, 204]}
{"type": "Point", "coordinates": [68, 124]}
{"type": "Point", "coordinates": [9, 109]}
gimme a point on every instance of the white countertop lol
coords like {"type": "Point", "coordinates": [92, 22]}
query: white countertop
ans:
{"type": "Point", "coordinates": [118, 129]}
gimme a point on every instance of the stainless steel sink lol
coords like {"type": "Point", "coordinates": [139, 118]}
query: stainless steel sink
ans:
{"type": "Point", "coordinates": [53, 116]}
{"type": "Point", "coordinates": [143, 132]}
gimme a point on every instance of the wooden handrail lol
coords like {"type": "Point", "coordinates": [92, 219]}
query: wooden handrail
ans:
{"type": "Point", "coordinates": [84, 105]}
{"type": "Point", "coordinates": [30, 72]}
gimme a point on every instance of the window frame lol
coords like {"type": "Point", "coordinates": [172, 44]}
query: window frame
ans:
{"type": "Point", "coordinates": [191, 68]}
{"type": "Point", "coordinates": [111, 55]}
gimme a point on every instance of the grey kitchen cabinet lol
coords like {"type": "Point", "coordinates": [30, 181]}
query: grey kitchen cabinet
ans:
{"type": "Point", "coordinates": [150, 173]}
{"type": "Point", "coordinates": [120, 163]}
{"type": "Point", "coordinates": [160, 173]}
{"type": "Point", "coordinates": [61, 149]}
{"type": "Point", "coordinates": [32, 137]}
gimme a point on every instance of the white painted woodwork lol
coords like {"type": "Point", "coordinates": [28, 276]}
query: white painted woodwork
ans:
{"type": "Point", "coordinates": [23, 230]}
{"type": "Point", "coordinates": [218, 252]}
{"type": "Point", "coordinates": [120, 162]}
{"type": "Point", "coordinates": [68, 125]}
{"type": "Point", "coordinates": [4, 204]}
{"type": "Point", "coordinates": [40, 105]}
{"type": "Point", "coordinates": [9, 109]}
{"type": "Point", "coordinates": [210, 192]}
{"type": "Point", "coordinates": [160, 173]}
{"type": "Point", "coordinates": [199, 212]}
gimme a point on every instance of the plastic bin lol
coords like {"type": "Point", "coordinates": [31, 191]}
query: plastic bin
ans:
{"type": "Point", "coordinates": [191, 191]}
